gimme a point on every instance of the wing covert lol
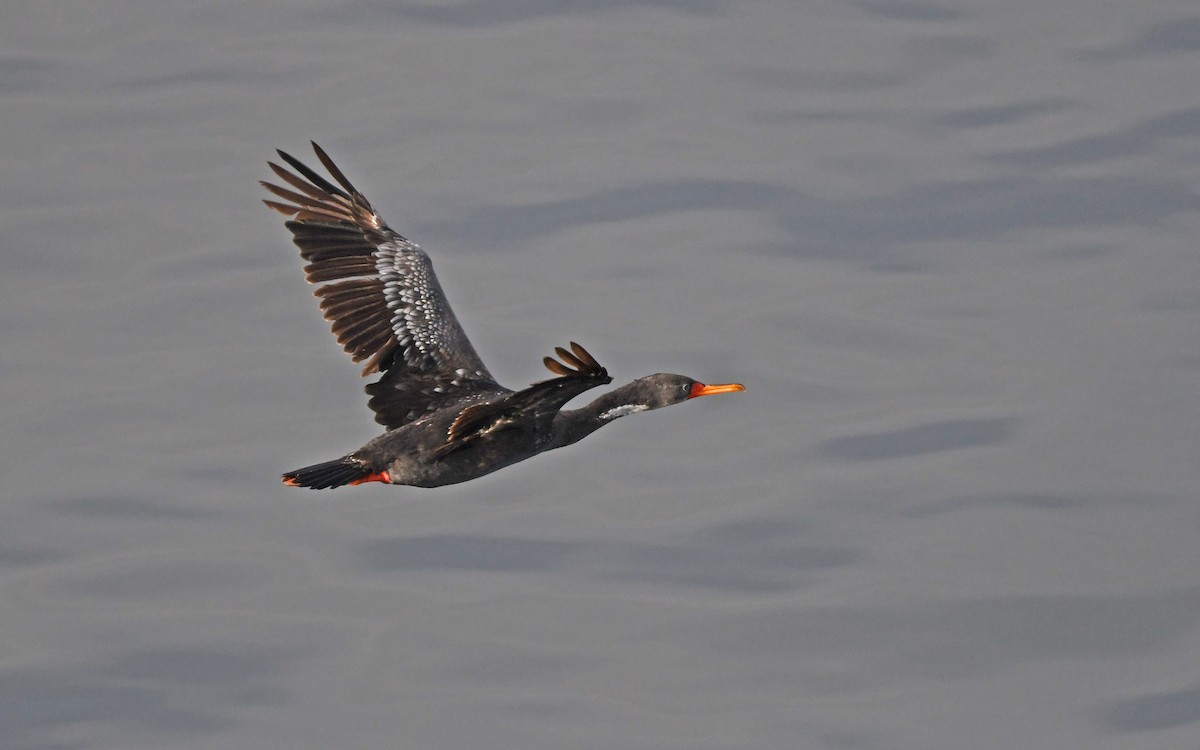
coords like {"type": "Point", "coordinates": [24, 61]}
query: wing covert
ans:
{"type": "Point", "coordinates": [536, 405]}
{"type": "Point", "coordinates": [379, 292]}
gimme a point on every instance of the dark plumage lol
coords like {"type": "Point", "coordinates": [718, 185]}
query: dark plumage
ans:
{"type": "Point", "coordinates": [447, 419]}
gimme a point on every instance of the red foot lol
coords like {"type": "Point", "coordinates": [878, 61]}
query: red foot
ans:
{"type": "Point", "coordinates": [381, 476]}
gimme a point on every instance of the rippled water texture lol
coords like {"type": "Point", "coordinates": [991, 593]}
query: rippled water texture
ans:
{"type": "Point", "coordinates": [951, 248]}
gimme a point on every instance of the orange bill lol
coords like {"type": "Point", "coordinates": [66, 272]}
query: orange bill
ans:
{"type": "Point", "coordinates": [700, 389]}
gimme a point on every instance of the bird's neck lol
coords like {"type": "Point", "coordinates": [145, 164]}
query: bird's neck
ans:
{"type": "Point", "coordinates": [573, 425]}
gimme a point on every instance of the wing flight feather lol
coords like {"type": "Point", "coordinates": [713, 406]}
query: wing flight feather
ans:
{"type": "Point", "coordinates": [380, 294]}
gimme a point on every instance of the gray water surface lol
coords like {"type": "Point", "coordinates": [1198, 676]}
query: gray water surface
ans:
{"type": "Point", "coordinates": [950, 248]}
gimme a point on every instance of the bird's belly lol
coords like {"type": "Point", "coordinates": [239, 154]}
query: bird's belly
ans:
{"type": "Point", "coordinates": [483, 456]}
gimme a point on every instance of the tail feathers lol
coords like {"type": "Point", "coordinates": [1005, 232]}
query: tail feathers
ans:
{"type": "Point", "coordinates": [345, 470]}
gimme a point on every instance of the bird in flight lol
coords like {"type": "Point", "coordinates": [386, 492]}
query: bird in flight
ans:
{"type": "Point", "coordinates": [447, 420]}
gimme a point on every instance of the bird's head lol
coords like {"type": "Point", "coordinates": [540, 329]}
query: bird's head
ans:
{"type": "Point", "coordinates": [664, 389]}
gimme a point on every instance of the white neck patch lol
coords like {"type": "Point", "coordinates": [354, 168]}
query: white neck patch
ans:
{"type": "Point", "coordinates": [621, 411]}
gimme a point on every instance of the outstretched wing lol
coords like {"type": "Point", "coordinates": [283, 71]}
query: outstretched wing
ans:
{"type": "Point", "coordinates": [533, 408]}
{"type": "Point", "coordinates": [383, 300]}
